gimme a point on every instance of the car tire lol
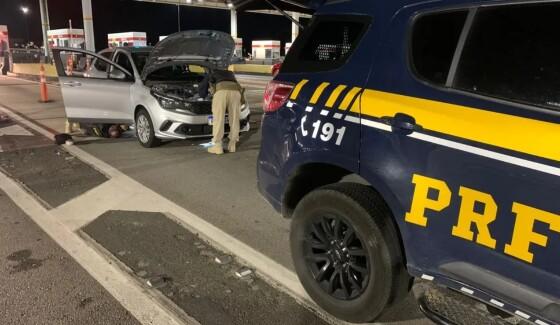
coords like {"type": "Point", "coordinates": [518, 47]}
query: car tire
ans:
{"type": "Point", "coordinates": [145, 132]}
{"type": "Point", "coordinates": [343, 236]}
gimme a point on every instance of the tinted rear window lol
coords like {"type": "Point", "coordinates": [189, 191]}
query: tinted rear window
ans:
{"type": "Point", "coordinates": [434, 40]}
{"type": "Point", "coordinates": [512, 53]}
{"type": "Point", "coordinates": [326, 44]}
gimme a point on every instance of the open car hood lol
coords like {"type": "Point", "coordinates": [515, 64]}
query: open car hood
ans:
{"type": "Point", "coordinates": [210, 48]}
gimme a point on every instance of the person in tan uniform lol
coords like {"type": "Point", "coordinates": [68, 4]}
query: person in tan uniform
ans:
{"type": "Point", "coordinates": [228, 97]}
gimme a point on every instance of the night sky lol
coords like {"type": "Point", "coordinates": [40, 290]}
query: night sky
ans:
{"type": "Point", "coordinates": [113, 16]}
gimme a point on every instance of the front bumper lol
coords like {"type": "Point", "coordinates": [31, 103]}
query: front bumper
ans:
{"type": "Point", "coordinates": [197, 128]}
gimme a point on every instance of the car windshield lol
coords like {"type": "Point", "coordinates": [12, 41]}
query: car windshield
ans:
{"type": "Point", "coordinates": [179, 72]}
{"type": "Point", "coordinates": [140, 59]}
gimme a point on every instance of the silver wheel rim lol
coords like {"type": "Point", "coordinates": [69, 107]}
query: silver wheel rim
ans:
{"type": "Point", "coordinates": [143, 128]}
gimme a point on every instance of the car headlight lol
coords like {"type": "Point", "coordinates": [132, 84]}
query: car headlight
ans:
{"type": "Point", "coordinates": [172, 104]}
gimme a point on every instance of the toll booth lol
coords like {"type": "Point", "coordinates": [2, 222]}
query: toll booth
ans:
{"type": "Point", "coordinates": [266, 50]}
{"type": "Point", "coordinates": [66, 37]}
{"type": "Point", "coordinates": [4, 40]}
{"type": "Point", "coordinates": [238, 52]}
{"type": "Point", "coordinates": [4, 49]}
{"type": "Point", "coordinates": [126, 39]}
{"type": "Point", "coordinates": [288, 47]}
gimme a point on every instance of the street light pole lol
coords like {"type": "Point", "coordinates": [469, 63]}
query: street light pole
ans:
{"type": "Point", "coordinates": [45, 25]}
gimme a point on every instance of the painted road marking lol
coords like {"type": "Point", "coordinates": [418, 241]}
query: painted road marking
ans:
{"type": "Point", "coordinates": [121, 285]}
{"type": "Point", "coordinates": [15, 130]}
{"type": "Point", "coordinates": [141, 198]}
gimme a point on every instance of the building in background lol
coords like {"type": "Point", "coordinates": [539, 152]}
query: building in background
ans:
{"type": "Point", "coordinates": [66, 37]}
{"type": "Point", "coordinates": [127, 39]}
{"type": "Point", "coordinates": [4, 40]}
{"type": "Point", "coordinates": [4, 48]}
{"type": "Point", "coordinates": [238, 47]}
{"type": "Point", "coordinates": [266, 50]}
{"type": "Point", "coordinates": [288, 47]}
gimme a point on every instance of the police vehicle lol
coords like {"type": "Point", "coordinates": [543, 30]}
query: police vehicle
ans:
{"type": "Point", "coordinates": [416, 144]}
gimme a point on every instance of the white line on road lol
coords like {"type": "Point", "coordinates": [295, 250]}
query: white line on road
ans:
{"type": "Point", "coordinates": [119, 284]}
{"type": "Point", "coordinates": [142, 198]}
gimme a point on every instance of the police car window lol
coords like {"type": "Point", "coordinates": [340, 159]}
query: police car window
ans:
{"type": "Point", "coordinates": [434, 40]}
{"type": "Point", "coordinates": [326, 44]}
{"type": "Point", "coordinates": [512, 53]}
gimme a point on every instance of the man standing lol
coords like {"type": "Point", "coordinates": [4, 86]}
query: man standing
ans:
{"type": "Point", "coordinates": [227, 97]}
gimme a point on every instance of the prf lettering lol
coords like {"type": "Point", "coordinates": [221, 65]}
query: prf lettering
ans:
{"type": "Point", "coordinates": [434, 195]}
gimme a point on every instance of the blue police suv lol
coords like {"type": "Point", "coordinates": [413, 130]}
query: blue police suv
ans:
{"type": "Point", "coordinates": [416, 145]}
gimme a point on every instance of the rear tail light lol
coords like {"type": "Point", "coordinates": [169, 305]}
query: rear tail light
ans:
{"type": "Point", "coordinates": [276, 95]}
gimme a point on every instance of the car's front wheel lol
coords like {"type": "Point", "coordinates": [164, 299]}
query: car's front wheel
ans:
{"type": "Point", "coordinates": [145, 132]}
{"type": "Point", "coordinates": [347, 253]}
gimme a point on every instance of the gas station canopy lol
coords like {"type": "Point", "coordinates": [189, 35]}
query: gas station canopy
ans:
{"type": "Point", "coordinates": [301, 6]}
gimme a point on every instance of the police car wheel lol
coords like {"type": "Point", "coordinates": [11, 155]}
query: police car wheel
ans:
{"type": "Point", "coordinates": [145, 130]}
{"type": "Point", "coordinates": [347, 253]}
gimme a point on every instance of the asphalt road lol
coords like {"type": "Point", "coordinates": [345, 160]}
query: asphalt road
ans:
{"type": "Point", "coordinates": [41, 284]}
{"type": "Point", "coordinates": [220, 189]}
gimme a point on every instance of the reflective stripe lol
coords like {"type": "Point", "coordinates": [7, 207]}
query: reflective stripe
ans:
{"type": "Point", "coordinates": [497, 303]}
{"type": "Point", "coordinates": [467, 290]}
{"type": "Point", "coordinates": [522, 314]}
{"type": "Point", "coordinates": [349, 97]}
{"type": "Point", "coordinates": [318, 92]}
{"type": "Point", "coordinates": [463, 147]}
{"type": "Point", "coordinates": [334, 96]}
{"type": "Point", "coordinates": [297, 89]}
{"type": "Point", "coordinates": [511, 132]}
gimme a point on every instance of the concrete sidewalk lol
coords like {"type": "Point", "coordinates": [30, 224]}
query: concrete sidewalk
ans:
{"type": "Point", "coordinates": [22, 97]}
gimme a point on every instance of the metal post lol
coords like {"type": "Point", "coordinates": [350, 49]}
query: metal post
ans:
{"type": "Point", "coordinates": [70, 43]}
{"type": "Point", "coordinates": [178, 17]}
{"type": "Point", "coordinates": [45, 25]}
{"type": "Point", "coordinates": [295, 27]}
{"type": "Point", "coordinates": [233, 23]}
{"type": "Point", "coordinates": [88, 25]}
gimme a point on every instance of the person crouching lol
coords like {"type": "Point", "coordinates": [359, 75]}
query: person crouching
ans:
{"type": "Point", "coordinates": [227, 96]}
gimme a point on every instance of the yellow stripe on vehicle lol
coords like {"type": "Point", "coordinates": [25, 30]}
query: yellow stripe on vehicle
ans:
{"type": "Point", "coordinates": [334, 96]}
{"type": "Point", "coordinates": [318, 92]}
{"type": "Point", "coordinates": [297, 89]}
{"type": "Point", "coordinates": [349, 97]}
{"type": "Point", "coordinates": [534, 137]}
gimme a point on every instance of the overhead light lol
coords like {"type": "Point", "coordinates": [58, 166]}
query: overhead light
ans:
{"type": "Point", "coordinates": [230, 5]}
{"type": "Point", "coordinates": [25, 10]}
{"type": "Point", "coordinates": [189, 1]}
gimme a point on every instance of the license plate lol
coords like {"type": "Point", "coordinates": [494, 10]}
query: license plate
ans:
{"type": "Point", "coordinates": [211, 120]}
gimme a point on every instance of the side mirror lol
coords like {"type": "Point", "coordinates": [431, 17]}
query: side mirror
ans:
{"type": "Point", "coordinates": [117, 74]}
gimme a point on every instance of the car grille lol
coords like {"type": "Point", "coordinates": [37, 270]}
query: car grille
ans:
{"type": "Point", "coordinates": [201, 108]}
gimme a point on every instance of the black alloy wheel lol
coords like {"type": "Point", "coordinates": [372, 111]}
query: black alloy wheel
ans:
{"type": "Point", "coordinates": [336, 257]}
{"type": "Point", "coordinates": [347, 252]}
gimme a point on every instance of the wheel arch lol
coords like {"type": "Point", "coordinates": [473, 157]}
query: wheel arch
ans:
{"type": "Point", "coordinates": [138, 108]}
{"type": "Point", "coordinates": [311, 176]}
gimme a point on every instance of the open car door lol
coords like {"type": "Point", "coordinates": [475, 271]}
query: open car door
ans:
{"type": "Point", "coordinates": [92, 91]}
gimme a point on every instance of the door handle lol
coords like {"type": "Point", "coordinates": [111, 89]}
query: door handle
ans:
{"type": "Point", "coordinates": [72, 84]}
{"type": "Point", "coordinates": [403, 123]}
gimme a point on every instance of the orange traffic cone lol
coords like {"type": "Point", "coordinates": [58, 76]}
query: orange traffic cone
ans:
{"type": "Point", "coordinates": [43, 85]}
